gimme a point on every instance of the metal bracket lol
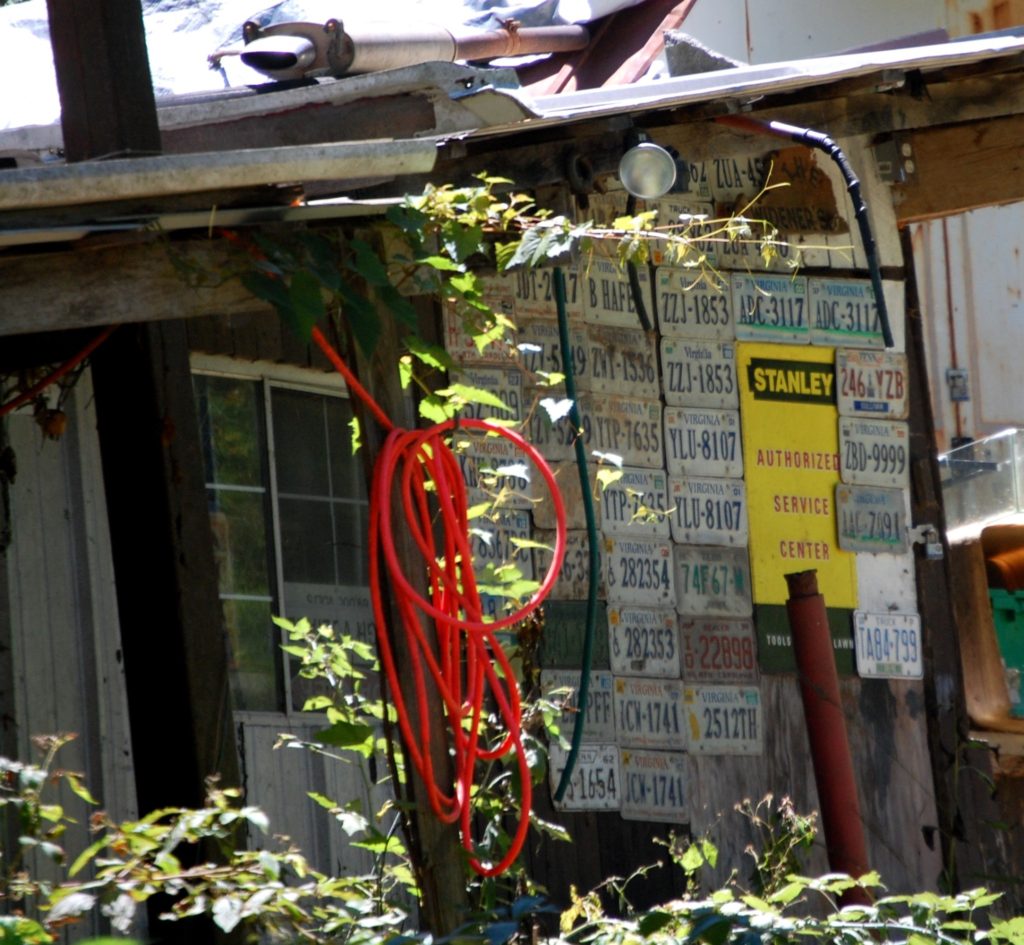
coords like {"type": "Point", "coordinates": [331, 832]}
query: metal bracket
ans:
{"type": "Point", "coordinates": [894, 155]}
{"type": "Point", "coordinates": [927, 535]}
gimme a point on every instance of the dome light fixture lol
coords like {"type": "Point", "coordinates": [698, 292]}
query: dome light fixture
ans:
{"type": "Point", "coordinates": [647, 170]}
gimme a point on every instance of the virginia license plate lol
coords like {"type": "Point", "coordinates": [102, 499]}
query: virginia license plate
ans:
{"type": "Point", "coordinates": [770, 308]}
{"type": "Point", "coordinates": [599, 720]}
{"type": "Point", "coordinates": [638, 571]}
{"type": "Point", "coordinates": [703, 442]}
{"type": "Point", "coordinates": [540, 352]}
{"type": "Point", "coordinates": [690, 308]}
{"type": "Point", "coordinates": [718, 651]}
{"type": "Point", "coordinates": [492, 467]}
{"type": "Point", "coordinates": [712, 582]}
{"type": "Point", "coordinates": [534, 293]}
{"type": "Point", "coordinates": [874, 452]}
{"type": "Point", "coordinates": [654, 786]}
{"type": "Point", "coordinates": [643, 641]}
{"type": "Point", "coordinates": [607, 298]}
{"type": "Point", "coordinates": [649, 713]}
{"type": "Point", "coordinates": [627, 428]}
{"type": "Point", "coordinates": [724, 720]}
{"type": "Point", "coordinates": [622, 361]}
{"type": "Point", "coordinates": [699, 373]}
{"type": "Point", "coordinates": [574, 578]}
{"type": "Point", "coordinates": [495, 540]}
{"type": "Point", "coordinates": [458, 335]}
{"type": "Point", "coordinates": [636, 504]}
{"type": "Point", "coordinates": [888, 645]}
{"type": "Point", "coordinates": [872, 384]}
{"type": "Point", "coordinates": [871, 518]}
{"type": "Point", "coordinates": [708, 511]}
{"type": "Point", "coordinates": [844, 312]}
{"type": "Point", "coordinates": [506, 384]}
{"type": "Point", "coordinates": [595, 778]}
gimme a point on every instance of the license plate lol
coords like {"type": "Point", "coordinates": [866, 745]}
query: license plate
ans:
{"type": "Point", "coordinates": [494, 540]}
{"type": "Point", "coordinates": [699, 373]}
{"type": "Point", "coordinates": [636, 504]}
{"type": "Point", "coordinates": [554, 439]}
{"type": "Point", "coordinates": [563, 685]}
{"type": "Point", "coordinates": [871, 519]}
{"type": "Point", "coordinates": [649, 713]}
{"type": "Point", "coordinates": [506, 384]}
{"type": "Point", "coordinates": [565, 624]}
{"type": "Point", "coordinates": [654, 786]}
{"type": "Point", "coordinates": [631, 429]}
{"type": "Point", "coordinates": [574, 578]}
{"type": "Point", "coordinates": [731, 178]}
{"type": "Point", "coordinates": [874, 452]}
{"type": "Point", "coordinates": [458, 336]}
{"type": "Point", "coordinates": [844, 312]}
{"type": "Point", "coordinates": [718, 651]}
{"type": "Point", "coordinates": [872, 384]}
{"type": "Point", "coordinates": [607, 299]}
{"type": "Point", "coordinates": [622, 361]}
{"type": "Point", "coordinates": [568, 478]}
{"type": "Point", "coordinates": [708, 511]}
{"type": "Point", "coordinates": [697, 180]}
{"type": "Point", "coordinates": [691, 221]}
{"type": "Point", "coordinates": [540, 352]}
{"type": "Point", "coordinates": [888, 645]}
{"type": "Point", "coordinates": [595, 782]}
{"type": "Point", "coordinates": [712, 582]}
{"type": "Point", "coordinates": [725, 720]}
{"type": "Point", "coordinates": [703, 442]}
{"type": "Point", "coordinates": [638, 571]}
{"type": "Point", "coordinates": [770, 308]}
{"type": "Point", "coordinates": [690, 308]}
{"type": "Point", "coordinates": [534, 292]}
{"type": "Point", "coordinates": [494, 470]}
{"type": "Point", "coordinates": [643, 641]}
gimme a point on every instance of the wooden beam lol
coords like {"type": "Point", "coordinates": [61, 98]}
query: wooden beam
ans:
{"type": "Point", "coordinates": [962, 167]}
{"type": "Point", "coordinates": [136, 282]}
{"type": "Point", "coordinates": [106, 91]}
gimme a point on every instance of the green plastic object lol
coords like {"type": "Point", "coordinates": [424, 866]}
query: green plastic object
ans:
{"type": "Point", "coordinates": [1008, 615]}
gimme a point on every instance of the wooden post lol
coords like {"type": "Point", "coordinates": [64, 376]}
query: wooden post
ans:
{"type": "Point", "coordinates": [106, 91]}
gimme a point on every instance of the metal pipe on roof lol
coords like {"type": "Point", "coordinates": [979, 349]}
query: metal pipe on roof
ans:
{"type": "Point", "coordinates": [165, 176]}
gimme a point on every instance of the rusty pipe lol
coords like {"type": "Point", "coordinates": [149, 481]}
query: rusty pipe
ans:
{"type": "Point", "coordinates": [826, 731]}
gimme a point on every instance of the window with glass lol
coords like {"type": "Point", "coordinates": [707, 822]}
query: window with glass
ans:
{"type": "Point", "coordinates": [289, 515]}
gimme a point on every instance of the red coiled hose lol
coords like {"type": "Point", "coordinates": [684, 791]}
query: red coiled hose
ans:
{"type": "Point", "coordinates": [468, 665]}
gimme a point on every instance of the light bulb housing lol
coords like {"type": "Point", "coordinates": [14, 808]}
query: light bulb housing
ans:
{"type": "Point", "coordinates": [647, 170]}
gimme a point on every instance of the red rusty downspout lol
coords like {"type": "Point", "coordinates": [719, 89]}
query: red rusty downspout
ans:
{"type": "Point", "coordinates": [826, 731]}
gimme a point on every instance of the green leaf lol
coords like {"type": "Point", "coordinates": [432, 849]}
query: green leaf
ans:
{"type": "Point", "coordinates": [307, 303]}
{"type": "Point", "coordinates": [692, 859]}
{"type": "Point", "coordinates": [654, 921]}
{"type": "Point", "coordinates": [345, 734]}
{"type": "Point", "coordinates": [712, 928]}
{"type": "Point", "coordinates": [436, 410]}
{"type": "Point", "coordinates": [431, 355]}
{"type": "Point", "coordinates": [462, 241]}
{"type": "Point", "coordinates": [441, 263]}
{"type": "Point", "coordinates": [368, 264]}
{"type": "Point", "coordinates": [398, 304]}
{"type": "Point", "coordinates": [474, 395]}
{"type": "Point", "coordinates": [362, 318]}
{"type": "Point", "coordinates": [1010, 930]}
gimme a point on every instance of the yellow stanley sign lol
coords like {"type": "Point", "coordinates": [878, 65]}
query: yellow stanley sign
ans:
{"type": "Point", "coordinates": [791, 466]}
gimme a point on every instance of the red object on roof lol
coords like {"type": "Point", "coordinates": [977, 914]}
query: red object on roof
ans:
{"type": "Point", "coordinates": [622, 48]}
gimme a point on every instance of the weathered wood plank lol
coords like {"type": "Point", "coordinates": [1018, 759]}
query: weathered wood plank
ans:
{"type": "Point", "coordinates": [137, 282]}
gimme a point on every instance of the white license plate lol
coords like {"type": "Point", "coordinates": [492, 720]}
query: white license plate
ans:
{"type": "Point", "coordinates": [622, 361]}
{"type": "Point", "coordinates": [697, 184]}
{"type": "Point", "coordinates": [844, 312]}
{"type": "Point", "coordinates": [636, 504]}
{"type": "Point", "coordinates": [568, 478]}
{"type": "Point", "coordinates": [574, 578]}
{"type": "Point", "coordinates": [595, 782]}
{"type": "Point", "coordinates": [554, 439]}
{"type": "Point", "coordinates": [599, 721]}
{"type": "Point", "coordinates": [770, 308]}
{"type": "Point", "coordinates": [871, 518]}
{"type": "Point", "coordinates": [872, 384]}
{"type": "Point", "coordinates": [712, 582]}
{"type": "Point", "coordinates": [630, 429]}
{"type": "Point", "coordinates": [649, 713]}
{"type": "Point", "coordinates": [534, 292]}
{"type": "Point", "coordinates": [492, 467]}
{"type": "Point", "coordinates": [699, 373]}
{"type": "Point", "coordinates": [643, 641]}
{"type": "Point", "coordinates": [607, 298]}
{"type": "Point", "coordinates": [638, 571]}
{"type": "Point", "coordinates": [690, 308]}
{"type": "Point", "coordinates": [718, 651]}
{"type": "Point", "coordinates": [703, 442]}
{"type": "Point", "coordinates": [506, 384]}
{"type": "Point", "coordinates": [654, 786]}
{"type": "Point", "coordinates": [540, 352]}
{"type": "Point", "coordinates": [691, 221]}
{"type": "Point", "coordinates": [497, 539]}
{"type": "Point", "coordinates": [874, 452]}
{"type": "Point", "coordinates": [707, 511]}
{"type": "Point", "coordinates": [888, 645]}
{"type": "Point", "coordinates": [458, 336]}
{"type": "Point", "coordinates": [731, 178]}
{"type": "Point", "coordinates": [725, 720]}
